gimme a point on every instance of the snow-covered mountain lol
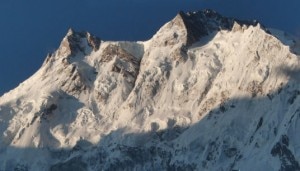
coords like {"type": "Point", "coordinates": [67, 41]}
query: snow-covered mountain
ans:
{"type": "Point", "coordinates": [206, 92]}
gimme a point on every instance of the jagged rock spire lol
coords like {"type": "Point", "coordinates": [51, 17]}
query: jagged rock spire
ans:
{"type": "Point", "coordinates": [70, 32]}
{"type": "Point", "coordinates": [73, 43]}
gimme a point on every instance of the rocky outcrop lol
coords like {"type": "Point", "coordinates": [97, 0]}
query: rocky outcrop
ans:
{"type": "Point", "coordinates": [75, 42]}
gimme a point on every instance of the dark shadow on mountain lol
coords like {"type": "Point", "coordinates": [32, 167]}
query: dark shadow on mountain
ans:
{"type": "Point", "coordinates": [294, 74]}
{"type": "Point", "coordinates": [287, 39]}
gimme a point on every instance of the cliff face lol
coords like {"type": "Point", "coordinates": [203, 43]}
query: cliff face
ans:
{"type": "Point", "coordinates": [206, 92]}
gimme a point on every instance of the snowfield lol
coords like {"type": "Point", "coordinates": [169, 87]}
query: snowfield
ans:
{"type": "Point", "coordinates": [206, 92]}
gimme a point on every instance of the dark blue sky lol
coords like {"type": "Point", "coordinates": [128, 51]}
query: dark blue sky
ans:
{"type": "Point", "coordinates": [30, 29]}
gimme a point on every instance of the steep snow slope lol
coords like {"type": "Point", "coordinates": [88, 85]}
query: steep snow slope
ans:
{"type": "Point", "coordinates": [204, 93]}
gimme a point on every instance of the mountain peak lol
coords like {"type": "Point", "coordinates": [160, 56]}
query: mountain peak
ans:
{"type": "Point", "coordinates": [191, 26]}
{"type": "Point", "coordinates": [75, 42]}
{"type": "Point", "coordinates": [70, 32]}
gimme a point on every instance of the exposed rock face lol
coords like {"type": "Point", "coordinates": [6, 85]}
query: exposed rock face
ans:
{"type": "Point", "coordinates": [206, 92]}
{"type": "Point", "coordinates": [75, 42]}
